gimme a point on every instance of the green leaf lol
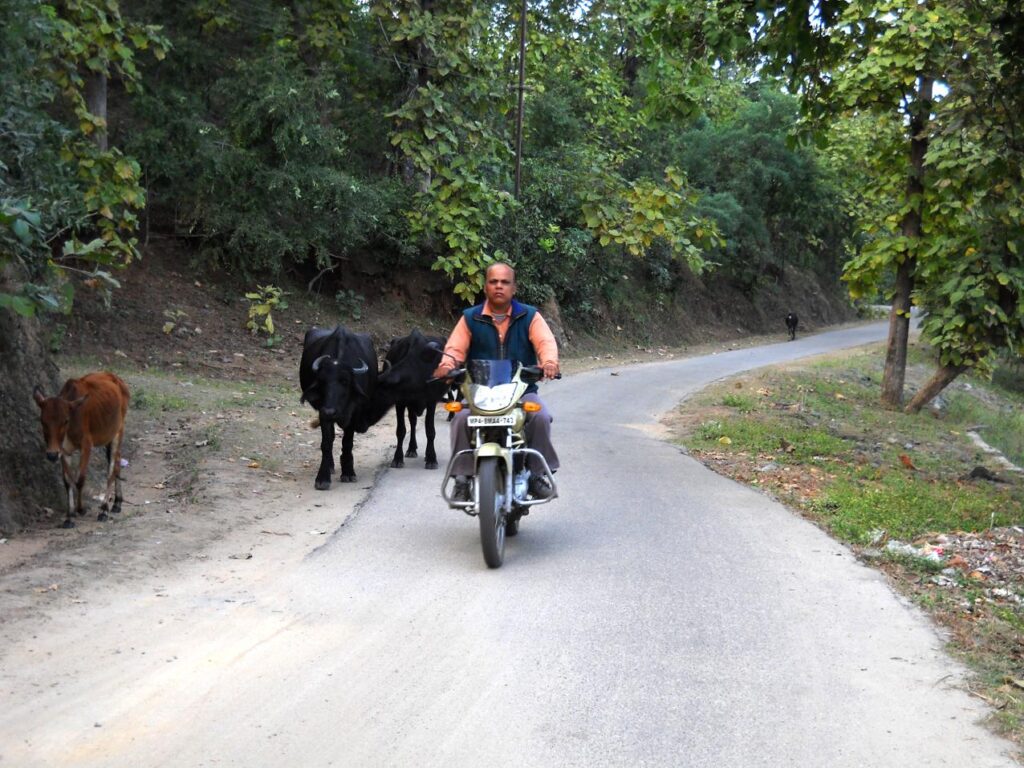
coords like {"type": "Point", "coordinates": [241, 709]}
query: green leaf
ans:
{"type": "Point", "coordinates": [20, 304]}
{"type": "Point", "coordinates": [22, 231]}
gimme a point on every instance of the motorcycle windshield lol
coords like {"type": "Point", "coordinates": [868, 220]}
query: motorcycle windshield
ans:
{"type": "Point", "coordinates": [493, 388]}
{"type": "Point", "coordinates": [490, 373]}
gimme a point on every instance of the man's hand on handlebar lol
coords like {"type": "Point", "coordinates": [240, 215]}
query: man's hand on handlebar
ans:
{"type": "Point", "coordinates": [550, 370]}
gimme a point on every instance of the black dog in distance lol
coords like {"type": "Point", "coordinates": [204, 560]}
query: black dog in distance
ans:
{"type": "Point", "coordinates": [791, 321]}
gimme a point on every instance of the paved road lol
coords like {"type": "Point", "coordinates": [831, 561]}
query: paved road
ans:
{"type": "Point", "coordinates": [655, 615]}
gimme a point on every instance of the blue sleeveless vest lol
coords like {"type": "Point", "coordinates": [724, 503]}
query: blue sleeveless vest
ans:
{"type": "Point", "coordinates": [484, 343]}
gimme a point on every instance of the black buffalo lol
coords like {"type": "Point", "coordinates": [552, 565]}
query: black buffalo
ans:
{"type": "Point", "coordinates": [405, 383]}
{"type": "Point", "coordinates": [791, 321]}
{"type": "Point", "coordinates": [338, 376]}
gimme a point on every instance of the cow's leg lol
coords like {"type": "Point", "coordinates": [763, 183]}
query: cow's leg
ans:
{"type": "Point", "coordinates": [348, 467]}
{"type": "Point", "coordinates": [428, 427]}
{"type": "Point", "coordinates": [323, 475]}
{"type": "Point", "coordinates": [113, 477]}
{"type": "Point", "coordinates": [83, 470]}
{"type": "Point", "coordinates": [411, 453]}
{"type": "Point", "coordinates": [105, 504]}
{"type": "Point", "coordinates": [398, 462]}
{"type": "Point", "coordinates": [69, 489]}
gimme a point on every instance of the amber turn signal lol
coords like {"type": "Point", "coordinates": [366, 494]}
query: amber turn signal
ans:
{"type": "Point", "coordinates": [453, 407]}
{"type": "Point", "coordinates": [531, 407]}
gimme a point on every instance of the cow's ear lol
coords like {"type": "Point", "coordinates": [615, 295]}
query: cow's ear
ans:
{"type": "Point", "coordinates": [38, 396]}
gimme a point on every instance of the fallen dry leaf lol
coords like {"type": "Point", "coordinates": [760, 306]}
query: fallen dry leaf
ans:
{"type": "Point", "coordinates": [253, 465]}
{"type": "Point", "coordinates": [956, 561]}
{"type": "Point", "coordinates": [906, 462]}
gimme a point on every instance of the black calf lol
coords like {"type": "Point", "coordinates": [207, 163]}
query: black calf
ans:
{"type": "Point", "coordinates": [791, 322]}
{"type": "Point", "coordinates": [408, 365]}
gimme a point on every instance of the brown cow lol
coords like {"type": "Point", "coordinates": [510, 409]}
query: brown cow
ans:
{"type": "Point", "coordinates": [88, 412]}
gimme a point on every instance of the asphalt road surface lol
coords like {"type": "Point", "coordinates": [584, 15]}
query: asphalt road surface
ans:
{"type": "Point", "coordinates": [656, 614]}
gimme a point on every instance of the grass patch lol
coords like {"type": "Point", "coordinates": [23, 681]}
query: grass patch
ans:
{"type": "Point", "coordinates": [741, 403]}
{"type": "Point", "coordinates": [855, 507]}
{"type": "Point", "coordinates": [785, 442]}
{"type": "Point", "coordinates": [152, 400]}
{"type": "Point", "coordinates": [887, 470]}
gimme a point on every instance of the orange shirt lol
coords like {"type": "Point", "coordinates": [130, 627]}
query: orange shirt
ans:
{"type": "Point", "coordinates": [457, 347]}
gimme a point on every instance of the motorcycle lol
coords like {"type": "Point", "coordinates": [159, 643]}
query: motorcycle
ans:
{"type": "Point", "coordinates": [500, 485]}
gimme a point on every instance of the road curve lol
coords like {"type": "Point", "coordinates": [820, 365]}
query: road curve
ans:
{"type": "Point", "coordinates": [654, 615]}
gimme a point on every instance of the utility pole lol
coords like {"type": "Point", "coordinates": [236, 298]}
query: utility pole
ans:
{"type": "Point", "coordinates": [522, 88]}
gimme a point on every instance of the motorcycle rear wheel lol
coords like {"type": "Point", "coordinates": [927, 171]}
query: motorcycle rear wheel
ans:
{"type": "Point", "coordinates": [490, 481]}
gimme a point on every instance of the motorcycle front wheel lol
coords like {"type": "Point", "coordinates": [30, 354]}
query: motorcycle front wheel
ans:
{"type": "Point", "coordinates": [490, 480]}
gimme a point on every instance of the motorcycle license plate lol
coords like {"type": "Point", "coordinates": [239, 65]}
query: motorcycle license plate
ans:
{"type": "Point", "coordinates": [508, 420]}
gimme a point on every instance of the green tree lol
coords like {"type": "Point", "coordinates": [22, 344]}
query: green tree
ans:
{"type": "Point", "coordinates": [450, 128]}
{"type": "Point", "coordinates": [974, 296]}
{"type": "Point", "coordinates": [67, 201]}
{"type": "Point", "coordinates": [774, 203]}
{"type": "Point", "coordinates": [885, 59]}
{"type": "Point", "coordinates": [263, 140]}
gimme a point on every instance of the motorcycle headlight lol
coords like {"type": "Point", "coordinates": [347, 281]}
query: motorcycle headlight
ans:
{"type": "Point", "coordinates": [496, 398]}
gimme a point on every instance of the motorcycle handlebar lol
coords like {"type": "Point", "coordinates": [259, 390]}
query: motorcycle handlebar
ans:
{"type": "Point", "coordinates": [537, 371]}
{"type": "Point", "coordinates": [458, 374]}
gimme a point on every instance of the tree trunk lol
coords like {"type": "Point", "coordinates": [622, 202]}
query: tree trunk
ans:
{"type": "Point", "coordinates": [899, 317]}
{"type": "Point", "coordinates": [28, 481]}
{"type": "Point", "coordinates": [942, 378]}
{"type": "Point", "coordinates": [420, 53]}
{"type": "Point", "coordinates": [899, 333]}
{"type": "Point", "coordinates": [96, 103]}
{"type": "Point", "coordinates": [630, 63]}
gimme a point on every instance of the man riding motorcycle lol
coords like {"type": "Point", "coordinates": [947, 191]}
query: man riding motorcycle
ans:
{"type": "Point", "coordinates": [501, 328]}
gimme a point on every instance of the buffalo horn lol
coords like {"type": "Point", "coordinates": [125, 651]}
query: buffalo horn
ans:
{"type": "Point", "coordinates": [316, 363]}
{"type": "Point", "coordinates": [363, 369]}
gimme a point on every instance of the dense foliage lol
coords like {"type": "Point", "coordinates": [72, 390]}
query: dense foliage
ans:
{"type": "Point", "coordinates": [313, 134]}
{"type": "Point", "coordinates": [67, 202]}
{"type": "Point", "coordinates": [390, 133]}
